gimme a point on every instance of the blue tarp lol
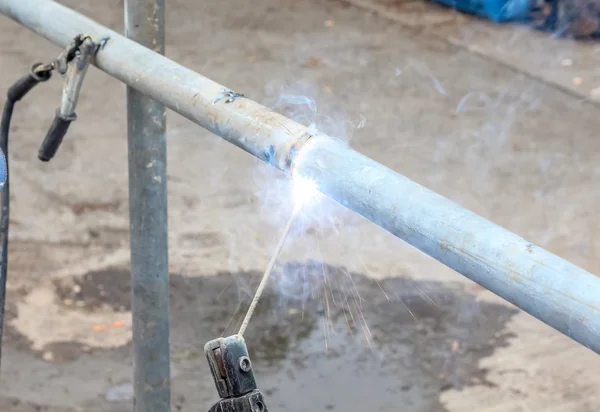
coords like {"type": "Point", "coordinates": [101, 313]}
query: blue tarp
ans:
{"type": "Point", "coordinates": [495, 10]}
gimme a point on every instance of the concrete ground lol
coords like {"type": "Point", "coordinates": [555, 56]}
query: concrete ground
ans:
{"type": "Point", "coordinates": [498, 118]}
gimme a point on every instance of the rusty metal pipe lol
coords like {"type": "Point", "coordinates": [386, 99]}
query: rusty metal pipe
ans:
{"type": "Point", "coordinates": [553, 290]}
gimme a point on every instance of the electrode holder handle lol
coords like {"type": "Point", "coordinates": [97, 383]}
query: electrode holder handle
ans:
{"type": "Point", "coordinates": [232, 373]}
{"type": "Point", "coordinates": [55, 136]}
{"type": "Point", "coordinates": [250, 402]}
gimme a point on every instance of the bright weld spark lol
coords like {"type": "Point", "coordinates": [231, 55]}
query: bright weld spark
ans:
{"type": "Point", "coordinates": [304, 190]}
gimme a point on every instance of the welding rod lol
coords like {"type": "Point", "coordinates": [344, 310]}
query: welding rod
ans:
{"type": "Point", "coordinates": [553, 290]}
{"type": "Point", "coordinates": [270, 266]}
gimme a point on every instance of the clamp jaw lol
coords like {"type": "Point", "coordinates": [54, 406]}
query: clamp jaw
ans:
{"type": "Point", "coordinates": [232, 372]}
{"type": "Point", "coordinates": [73, 63]}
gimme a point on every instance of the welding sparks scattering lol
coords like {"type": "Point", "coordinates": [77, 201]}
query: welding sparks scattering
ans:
{"type": "Point", "coordinates": [304, 190]}
{"type": "Point", "coordinates": [338, 292]}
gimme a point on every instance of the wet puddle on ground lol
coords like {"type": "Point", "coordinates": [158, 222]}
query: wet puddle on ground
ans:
{"type": "Point", "coordinates": [341, 341]}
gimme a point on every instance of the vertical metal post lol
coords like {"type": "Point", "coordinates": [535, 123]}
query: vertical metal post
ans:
{"type": "Point", "coordinates": [144, 23]}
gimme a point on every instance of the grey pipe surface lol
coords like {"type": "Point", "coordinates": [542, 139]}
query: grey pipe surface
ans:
{"type": "Point", "coordinates": [553, 290]}
{"type": "Point", "coordinates": [146, 128]}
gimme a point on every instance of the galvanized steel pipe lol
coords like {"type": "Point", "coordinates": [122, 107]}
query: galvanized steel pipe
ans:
{"type": "Point", "coordinates": [146, 128]}
{"type": "Point", "coordinates": [555, 291]}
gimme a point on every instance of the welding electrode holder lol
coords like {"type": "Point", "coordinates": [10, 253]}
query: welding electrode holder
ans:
{"type": "Point", "coordinates": [73, 63]}
{"type": "Point", "coordinates": [232, 372]}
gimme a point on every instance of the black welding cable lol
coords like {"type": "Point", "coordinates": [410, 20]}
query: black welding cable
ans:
{"type": "Point", "coordinates": [5, 196]}
{"type": "Point", "coordinates": [39, 73]}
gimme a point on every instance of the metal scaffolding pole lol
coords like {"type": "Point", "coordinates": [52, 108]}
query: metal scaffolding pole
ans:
{"type": "Point", "coordinates": [553, 290]}
{"type": "Point", "coordinates": [146, 127]}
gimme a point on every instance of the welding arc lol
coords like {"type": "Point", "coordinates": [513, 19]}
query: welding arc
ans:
{"type": "Point", "coordinates": [265, 278]}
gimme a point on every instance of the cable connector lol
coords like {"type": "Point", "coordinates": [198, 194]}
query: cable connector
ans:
{"type": "Point", "coordinates": [39, 73]}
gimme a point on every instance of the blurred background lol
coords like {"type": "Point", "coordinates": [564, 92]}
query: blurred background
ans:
{"type": "Point", "coordinates": [501, 118]}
